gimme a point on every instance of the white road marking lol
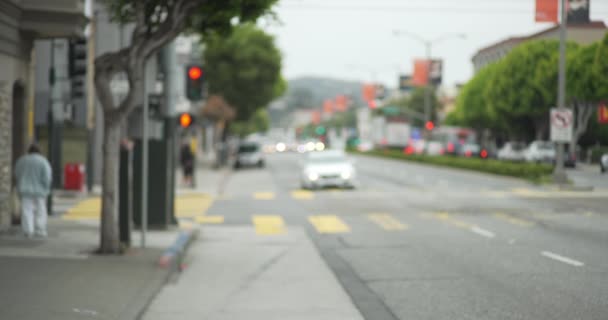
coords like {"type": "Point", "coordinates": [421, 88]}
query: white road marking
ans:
{"type": "Point", "coordinates": [563, 259]}
{"type": "Point", "coordinates": [483, 232]}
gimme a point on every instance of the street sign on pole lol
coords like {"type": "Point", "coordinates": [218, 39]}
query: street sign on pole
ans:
{"type": "Point", "coordinates": [561, 125]}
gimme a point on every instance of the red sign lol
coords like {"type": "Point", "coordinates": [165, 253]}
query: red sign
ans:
{"type": "Point", "coordinates": [369, 92]}
{"type": "Point", "coordinates": [341, 103]}
{"type": "Point", "coordinates": [602, 113]}
{"type": "Point", "coordinates": [316, 117]}
{"type": "Point", "coordinates": [547, 11]}
{"type": "Point", "coordinates": [421, 72]}
{"type": "Point", "coordinates": [328, 106]}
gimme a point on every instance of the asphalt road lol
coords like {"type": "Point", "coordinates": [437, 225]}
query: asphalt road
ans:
{"type": "Point", "coordinates": [421, 242]}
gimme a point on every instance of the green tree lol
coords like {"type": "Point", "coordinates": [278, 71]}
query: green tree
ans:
{"type": "Point", "coordinates": [155, 22]}
{"type": "Point", "coordinates": [413, 106]}
{"type": "Point", "coordinates": [244, 68]}
{"type": "Point", "coordinates": [259, 122]}
{"type": "Point", "coordinates": [583, 89]}
{"type": "Point", "coordinates": [524, 87]}
{"type": "Point", "coordinates": [600, 68]}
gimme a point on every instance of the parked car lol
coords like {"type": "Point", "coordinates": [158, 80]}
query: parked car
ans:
{"type": "Point", "coordinates": [512, 151]}
{"type": "Point", "coordinates": [249, 154]}
{"type": "Point", "coordinates": [570, 160]}
{"type": "Point", "coordinates": [330, 168]}
{"type": "Point", "coordinates": [604, 163]}
{"type": "Point", "coordinates": [472, 150]}
{"type": "Point", "coordinates": [540, 151]}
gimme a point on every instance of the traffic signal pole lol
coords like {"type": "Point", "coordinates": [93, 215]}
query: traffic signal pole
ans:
{"type": "Point", "coordinates": [559, 175]}
{"type": "Point", "coordinates": [144, 162]}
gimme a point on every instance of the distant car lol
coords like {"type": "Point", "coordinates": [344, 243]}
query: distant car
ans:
{"type": "Point", "coordinates": [512, 151]}
{"type": "Point", "coordinates": [471, 150]}
{"type": "Point", "coordinates": [434, 148]}
{"type": "Point", "coordinates": [249, 154]}
{"type": "Point", "coordinates": [540, 151]}
{"type": "Point", "coordinates": [365, 146]}
{"type": "Point", "coordinates": [330, 168]}
{"type": "Point", "coordinates": [604, 163]}
{"type": "Point", "coordinates": [570, 160]}
{"type": "Point", "coordinates": [454, 147]}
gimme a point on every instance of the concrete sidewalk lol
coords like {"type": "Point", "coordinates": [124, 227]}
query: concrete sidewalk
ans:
{"type": "Point", "coordinates": [234, 274]}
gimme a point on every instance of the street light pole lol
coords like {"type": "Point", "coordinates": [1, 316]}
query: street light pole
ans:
{"type": "Point", "coordinates": [428, 44]}
{"type": "Point", "coordinates": [559, 175]}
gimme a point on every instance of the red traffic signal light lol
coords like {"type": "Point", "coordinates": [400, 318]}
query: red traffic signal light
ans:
{"type": "Point", "coordinates": [185, 120]}
{"type": "Point", "coordinates": [429, 125]}
{"type": "Point", "coordinates": [195, 73]}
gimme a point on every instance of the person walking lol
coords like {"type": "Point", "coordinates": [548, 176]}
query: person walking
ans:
{"type": "Point", "coordinates": [33, 174]}
{"type": "Point", "coordinates": [186, 159]}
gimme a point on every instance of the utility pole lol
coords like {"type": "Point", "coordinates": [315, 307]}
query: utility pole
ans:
{"type": "Point", "coordinates": [559, 175]}
{"type": "Point", "coordinates": [55, 117]}
{"type": "Point", "coordinates": [428, 87]}
{"type": "Point", "coordinates": [144, 162]}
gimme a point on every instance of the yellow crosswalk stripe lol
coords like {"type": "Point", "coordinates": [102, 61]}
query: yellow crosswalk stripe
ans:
{"type": "Point", "coordinates": [269, 224]}
{"type": "Point", "coordinates": [447, 218]}
{"type": "Point", "coordinates": [513, 220]}
{"type": "Point", "coordinates": [328, 224]}
{"type": "Point", "coordinates": [84, 210]}
{"type": "Point", "coordinates": [192, 205]}
{"type": "Point", "coordinates": [209, 219]}
{"type": "Point", "coordinates": [264, 195]}
{"type": "Point", "coordinates": [387, 222]}
{"type": "Point", "coordinates": [302, 195]}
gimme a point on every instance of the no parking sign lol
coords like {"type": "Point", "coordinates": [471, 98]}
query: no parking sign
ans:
{"type": "Point", "coordinates": [561, 125]}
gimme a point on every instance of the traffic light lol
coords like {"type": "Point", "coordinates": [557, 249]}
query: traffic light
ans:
{"type": "Point", "coordinates": [77, 66]}
{"type": "Point", "coordinates": [185, 120]}
{"type": "Point", "coordinates": [320, 130]}
{"type": "Point", "coordinates": [429, 125]}
{"type": "Point", "coordinates": [194, 82]}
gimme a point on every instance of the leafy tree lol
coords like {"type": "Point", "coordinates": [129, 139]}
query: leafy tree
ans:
{"type": "Point", "coordinates": [583, 89]}
{"type": "Point", "coordinates": [413, 106]}
{"type": "Point", "coordinates": [524, 87]}
{"type": "Point", "coordinates": [156, 22]}
{"type": "Point", "coordinates": [600, 68]}
{"type": "Point", "coordinates": [244, 68]}
{"type": "Point", "coordinates": [259, 122]}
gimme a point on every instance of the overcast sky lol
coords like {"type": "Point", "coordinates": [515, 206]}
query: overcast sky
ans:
{"type": "Point", "coordinates": [353, 39]}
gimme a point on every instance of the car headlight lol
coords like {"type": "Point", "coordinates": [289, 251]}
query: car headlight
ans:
{"type": "Point", "coordinates": [313, 176]}
{"type": "Point", "coordinates": [346, 175]}
{"type": "Point", "coordinates": [320, 146]}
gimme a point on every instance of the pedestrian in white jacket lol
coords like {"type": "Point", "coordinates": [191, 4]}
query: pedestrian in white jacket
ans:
{"type": "Point", "coordinates": [34, 175]}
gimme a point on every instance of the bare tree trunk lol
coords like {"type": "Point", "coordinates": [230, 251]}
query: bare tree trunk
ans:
{"type": "Point", "coordinates": [109, 227]}
{"type": "Point", "coordinates": [582, 113]}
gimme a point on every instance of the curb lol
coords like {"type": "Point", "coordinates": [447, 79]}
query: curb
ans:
{"type": "Point", "coordinates": [173, 257]}
{"type": "Point", "coordinates": [575, 188]}
{"type": "Point", "coordinates": [171, 261]}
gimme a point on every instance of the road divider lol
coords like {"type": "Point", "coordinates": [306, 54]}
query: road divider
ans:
{"type": "Point", "coordinates": [530, 171]}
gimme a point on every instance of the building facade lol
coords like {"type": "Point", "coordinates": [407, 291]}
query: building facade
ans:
{"type": "Point", "coordinates": [22, 22]}
{"type": "Point", "coordinates": [583, 34]}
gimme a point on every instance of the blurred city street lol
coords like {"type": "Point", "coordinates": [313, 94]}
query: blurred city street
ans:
{"type": "Point", "coordinates": [411, 242]}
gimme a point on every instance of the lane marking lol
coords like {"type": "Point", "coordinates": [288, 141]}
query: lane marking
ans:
{"type": "Point", "coordinates": [264, 195]}
{"type": "Point", "coordinates": [328, 224]}
{"type": "Point", "coordinates": [561, 258]}
{"type": "Point", "coordinates": [269, 224]}
{"type": "Point", "coordinates": [483, 232]}
{"type": "Point", "coordinates": [445, 217]}
{"type": "Point", "coordinates": [302, 195]}
{"type": "Point", "coordinates": [387, 222]}
{"type": "Point", "coordinates": [513, 220]}
{"type": "Point", "coordinates": [192, 205]}
{"type": "Point", "coordinates": [209, 219]}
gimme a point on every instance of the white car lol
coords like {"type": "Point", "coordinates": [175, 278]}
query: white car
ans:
{"type": "Point", "coordinates": [540, 151]}
{"type": "Point", "coordinates": [330, 168]}
{"type": "Point", "coordinates": [604, 163]}
{"type": "Point", "coordinates": [512, 151]}
{"type": "Point", "coordinates": [249, 154]}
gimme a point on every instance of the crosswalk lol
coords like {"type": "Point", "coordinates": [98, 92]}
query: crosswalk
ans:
{"type": "Point", "coordinates": [334, 224]}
